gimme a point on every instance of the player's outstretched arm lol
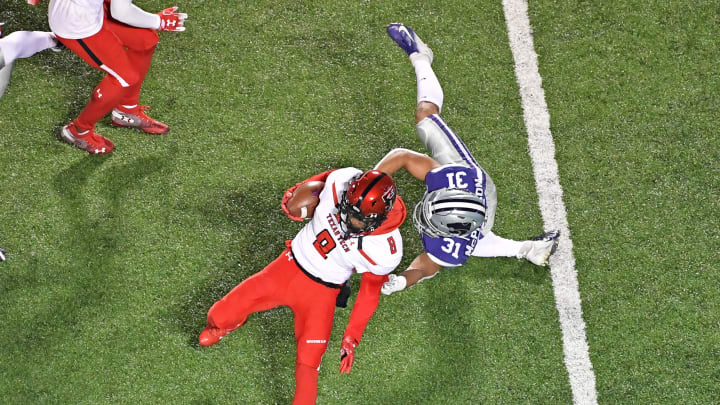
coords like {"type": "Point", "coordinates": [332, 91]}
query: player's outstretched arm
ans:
{"type": "Point", "coordinates": [415, 163]}
{"type": "Point", "coordinates": [167, 20]}
{"type": "Point", "coordinates": [420, 269]}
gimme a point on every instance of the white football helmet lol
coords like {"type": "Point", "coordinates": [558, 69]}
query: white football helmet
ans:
{"type": "Point", "coordinates": [449, 212]}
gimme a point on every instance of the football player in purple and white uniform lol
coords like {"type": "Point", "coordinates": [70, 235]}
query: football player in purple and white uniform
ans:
{"type": "Point", "coordinates": [456, 214]}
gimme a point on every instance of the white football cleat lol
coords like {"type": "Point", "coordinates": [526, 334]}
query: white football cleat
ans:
{"type": "Point", "coordinates": [538, 250]}
{"type": "Point", "coordinates": [394, 284]}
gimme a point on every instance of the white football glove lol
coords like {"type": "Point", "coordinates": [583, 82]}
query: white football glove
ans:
{"type": "Point", "coordinates": [394, 284]}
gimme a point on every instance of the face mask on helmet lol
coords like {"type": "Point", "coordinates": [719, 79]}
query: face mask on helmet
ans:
{"type": "Point", "coordinates": [365, 204]}
{"type": "Point", "coordinates": [448, 213]}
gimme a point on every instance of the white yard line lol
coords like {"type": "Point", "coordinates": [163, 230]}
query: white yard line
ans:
{"type": "Point", "coordinates": [542, 153]}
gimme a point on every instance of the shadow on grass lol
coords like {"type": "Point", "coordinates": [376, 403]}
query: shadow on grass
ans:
{"type": "Point", "coordinates": [89, 246]}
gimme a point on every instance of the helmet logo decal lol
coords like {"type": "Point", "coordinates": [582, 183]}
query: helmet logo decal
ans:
{"type": "Point", "coordinates": [389, 197]}
{"type": "Point", "coordinates": [365, 204]}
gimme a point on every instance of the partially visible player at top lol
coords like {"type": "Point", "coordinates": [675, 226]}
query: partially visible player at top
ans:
{"type": "Point", "coordinates": [21, 44]}
{"type": "Point", "coordinates": [354, 228]}
{"type": "Point", "coordinates": [456, 214]}
{"type": "Point", "coordinates": [119, 38]}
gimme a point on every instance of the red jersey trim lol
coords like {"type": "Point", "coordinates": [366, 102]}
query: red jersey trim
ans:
{"type": "Point", "coordinates": [362, 252]}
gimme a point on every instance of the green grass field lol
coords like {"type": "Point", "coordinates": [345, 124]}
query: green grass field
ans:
{"type": "Point", "coordinates": [113, 261]}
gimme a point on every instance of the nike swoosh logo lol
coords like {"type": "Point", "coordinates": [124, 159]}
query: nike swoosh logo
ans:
{"type": "Point", "coordinates": [402, 29]}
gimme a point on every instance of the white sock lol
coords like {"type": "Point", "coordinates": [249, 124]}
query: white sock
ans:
{"type": "Point", "coordinates": [23, 44]}
{"type": "Point", "coordinates": [492, 245]}
{"type": "Point", "coordinates": [428, 85]}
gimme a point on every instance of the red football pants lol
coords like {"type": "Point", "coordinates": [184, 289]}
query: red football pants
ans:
{"type": "Point", "coordinates": [125, 54]}
{"type": "Point", "coordinates": [313, 304]}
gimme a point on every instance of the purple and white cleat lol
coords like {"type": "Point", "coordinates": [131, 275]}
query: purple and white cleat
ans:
{"type": "Point", "coordinates": [408, 40]}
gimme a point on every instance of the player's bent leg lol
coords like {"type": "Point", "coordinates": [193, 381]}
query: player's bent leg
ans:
{"type": "Point", "coordinates": [425, 109]}
{"type": "Point", "coordinates": [312, 341]}
{"type": "Point", "coordinates": [102, 51]}
{"type": "Point", "coordinates": [105, 52]}
{"type": "Point", "coordinates": [442, 142]}
{"type": "Point", "coordinates": [104, 97]}
{"type": "Point", "coordinates": [314, 308]}
{"type": "Point", "coordinates": [257, 293]}
{"type": "Point", "coordinates": [252, 295]}
{"type": "Point", "coordinates": [140, 43]}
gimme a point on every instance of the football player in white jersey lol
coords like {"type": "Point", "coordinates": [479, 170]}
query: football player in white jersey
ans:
{"type": "Point", "coordinates": [354, 228]}
{"type": "Point", "coordinates": [21, 44]}
{"type": "Point", "coordinates": [456, 214]}
{"type": "Point", "coordinates": [119, 38]}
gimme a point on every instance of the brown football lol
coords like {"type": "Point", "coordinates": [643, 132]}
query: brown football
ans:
{"type": "Point", "coordinates": [305, 198]}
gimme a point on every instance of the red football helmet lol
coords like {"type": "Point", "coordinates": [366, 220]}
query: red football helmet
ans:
{"type": "Point", "coordinates": [368, 199]}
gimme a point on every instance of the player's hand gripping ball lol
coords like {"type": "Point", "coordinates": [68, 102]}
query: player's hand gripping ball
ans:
{"type": "Point", "coordinates": [304, 199]}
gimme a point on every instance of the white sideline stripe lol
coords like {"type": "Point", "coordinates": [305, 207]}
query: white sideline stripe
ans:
{"type": "Point", "coordinates": [547, 180]}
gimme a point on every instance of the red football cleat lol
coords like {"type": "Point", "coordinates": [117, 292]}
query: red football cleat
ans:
{"type": "Point", "coordinates": [90, 142]}
{"type": "Point", "coordinates": [211, 335]}
{"type": "Point", "coordinates": [136, 118]}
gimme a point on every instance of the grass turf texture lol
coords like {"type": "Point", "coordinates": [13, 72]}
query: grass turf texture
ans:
{"type": "Point", "coordinates": [114, 261]}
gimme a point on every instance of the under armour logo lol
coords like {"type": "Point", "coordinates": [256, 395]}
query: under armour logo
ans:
{"type": "Point", "coordinates": [289, 256]}
{"type": "Point", "coordinates": [99, 94]}
{"type": "Point", "coordinates": [171, 23]}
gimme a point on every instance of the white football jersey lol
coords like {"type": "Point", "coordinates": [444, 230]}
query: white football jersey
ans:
{"type": "Point", "coordinates": [75, 19]}
{"type": "Point", "coordinates": [321, 250]}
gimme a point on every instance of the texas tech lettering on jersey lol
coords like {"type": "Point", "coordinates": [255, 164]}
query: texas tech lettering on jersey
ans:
{"type": "Point", "coordinates": [333, 221]}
